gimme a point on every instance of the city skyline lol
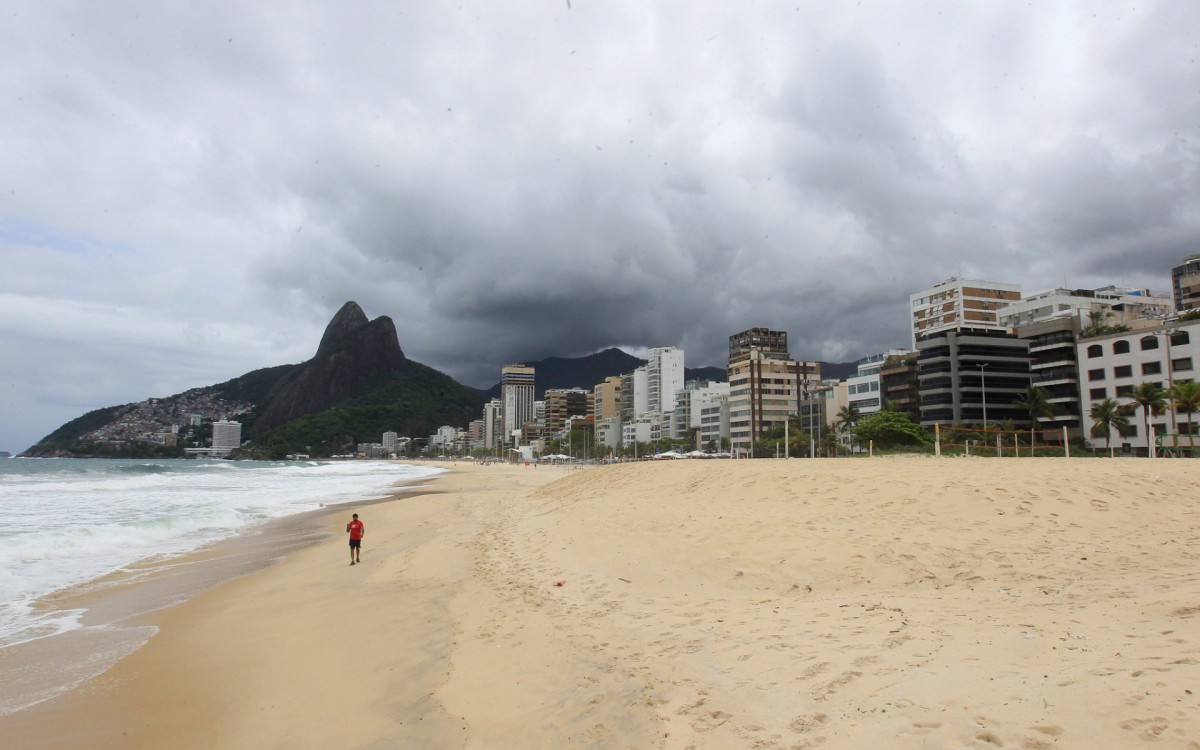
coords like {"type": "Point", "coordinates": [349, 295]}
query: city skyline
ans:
{"type": "Point", "coordinates": [191, 192]}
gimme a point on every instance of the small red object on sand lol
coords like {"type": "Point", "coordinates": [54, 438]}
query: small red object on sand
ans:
{"type": "Point", "coordinates": [559, 583]}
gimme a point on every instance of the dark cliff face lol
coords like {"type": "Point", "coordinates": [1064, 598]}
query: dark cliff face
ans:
{"type": "Point", "coordinates": [354, 355]}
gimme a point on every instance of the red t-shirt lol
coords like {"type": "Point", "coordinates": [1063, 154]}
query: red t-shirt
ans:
{"type": "Point", "coordinates": [356, 529]}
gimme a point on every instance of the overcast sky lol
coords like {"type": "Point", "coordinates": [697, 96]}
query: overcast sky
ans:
{"type": "Point", "coordinates": [191, 191]}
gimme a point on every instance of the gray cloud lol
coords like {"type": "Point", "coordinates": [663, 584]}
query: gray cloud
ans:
{"type": "Point", "coordinates": [189, 193]}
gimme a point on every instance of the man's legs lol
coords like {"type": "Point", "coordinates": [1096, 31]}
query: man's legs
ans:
{"type": "Point", "coordinates": [351, 553]}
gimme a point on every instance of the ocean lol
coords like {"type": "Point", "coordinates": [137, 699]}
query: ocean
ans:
{"type": "Point", "coordinates": [67, 521]}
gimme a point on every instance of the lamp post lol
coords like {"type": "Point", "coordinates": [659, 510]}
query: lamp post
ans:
{"type": "Point", "coordinates": [1167, 333]}
{"type": "Point", "coordinates": [983, 392]}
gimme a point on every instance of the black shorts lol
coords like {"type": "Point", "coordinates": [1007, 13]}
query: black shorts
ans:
{"type": "Point", "coordinates": [355, 543]}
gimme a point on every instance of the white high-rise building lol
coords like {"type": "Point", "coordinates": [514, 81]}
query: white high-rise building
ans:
{"type": "Point", "coordinates": [389, 442]}
{"type": "Point", "coordinates": [664, 377]}
{"type": "Point", "coordinates": [226, 436]}
{"type": "Point", "coordinates": [692, 402]}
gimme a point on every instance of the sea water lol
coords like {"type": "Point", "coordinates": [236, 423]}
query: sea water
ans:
{"type": "Point", "coordinates": [67, 521]}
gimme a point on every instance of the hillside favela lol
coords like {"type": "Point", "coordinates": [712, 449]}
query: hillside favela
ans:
{"type": "Point", "coordinates": [989, 368]}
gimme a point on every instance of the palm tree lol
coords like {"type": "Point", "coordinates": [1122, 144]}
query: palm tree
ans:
{"type": "Point", "coordinates": [1152, 400]}
{"type": "Point", "coordinates": [847, 417]}
{"type": "Point", "coordinates": [1185, 395]}
{"type": "Point", "coordinates": [1107, 414]}
{"type": "Point", "coordinates": [1036, 401]}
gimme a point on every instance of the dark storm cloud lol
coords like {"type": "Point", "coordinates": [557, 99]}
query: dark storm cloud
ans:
{"type": "Point", "coordinates": [193, 192]}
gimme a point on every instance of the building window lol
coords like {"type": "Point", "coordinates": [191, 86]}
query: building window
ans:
{"type": "Point", "coordinates": [1149, 342]}
{"type": "Point", "coordinates": [1095, 350]}
{"type": "Point", "coordinates": [1121, 347]}
{"type": "Point", "coordinates": [1124, 371]}
{"type": "Point", "coordinates": [1183, 363]}
{"type": "Point", "coordinates": [1124, 390]}
{"type": "Point", "coordinates": [1098, 394]}
{"type": "Point", "coordinates": [1151, 368]}
{"type": "Point", "coordinates": [1180, 338]}
{"type": "Point", "coordinates": [1096, 374]}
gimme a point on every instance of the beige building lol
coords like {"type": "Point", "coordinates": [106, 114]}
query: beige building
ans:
{"type": "Point", "coordinates": [765, 384]}
{"type": "Point", "coordinates": [606, 398]}
{"type": "Point", "coordinates": [957, 303]}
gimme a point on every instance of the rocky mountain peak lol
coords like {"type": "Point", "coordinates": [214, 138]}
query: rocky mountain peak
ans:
{"type": "Point", "coordinates": [345, 322]}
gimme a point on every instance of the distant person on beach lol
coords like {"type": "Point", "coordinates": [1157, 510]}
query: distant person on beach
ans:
{"type": "Point", "coordinates": [356, 530]}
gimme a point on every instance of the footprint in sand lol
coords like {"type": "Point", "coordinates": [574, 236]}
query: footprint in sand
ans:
{"type": "Point", "coordinates": [807, 723]}
{"type": "Point", "coordinates": [1151, 728]}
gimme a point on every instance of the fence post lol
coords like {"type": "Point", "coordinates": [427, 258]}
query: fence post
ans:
{"type": "Point", "coordinates": [1066, 445]}
{"type": "Point", "coordinates": [871, 449]}
{"type": "Point", "coordinates": [937, 440]}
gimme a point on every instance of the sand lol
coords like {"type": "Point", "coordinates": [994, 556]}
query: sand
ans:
{"type": "Point", "coordinates": [847, 603]}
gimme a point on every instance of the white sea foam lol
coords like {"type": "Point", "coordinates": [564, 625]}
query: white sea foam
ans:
{"type": "Point", "coordinates": [68, 521]}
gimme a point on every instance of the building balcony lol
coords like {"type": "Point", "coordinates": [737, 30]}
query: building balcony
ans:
{"type": "Point", "coordinates": [1068, 345]}
{"type": "Point", "coordinates": [1056, 379]}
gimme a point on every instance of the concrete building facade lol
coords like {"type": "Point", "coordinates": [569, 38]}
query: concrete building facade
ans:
{"type": "Point", "coordinates": [972, 376]}
{"type": "Point", "coordinates": [1112, 366]}
{"type": "Point", "coordinates": [226, 436]}
{"type": "Point", "coordinates": [765, 384]}
{"type": "Point", "coordinates": [959, 303]}
{"type": "Point", "coordinates": [517, 397]}
{"type": "Point", "coordinates": [1185, 284]}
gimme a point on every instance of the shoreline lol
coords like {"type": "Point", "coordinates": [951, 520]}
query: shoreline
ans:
{"type": "Point", "coordinates": [117, 610]}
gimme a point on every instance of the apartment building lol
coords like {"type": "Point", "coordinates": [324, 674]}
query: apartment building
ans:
{"type": "Point", "coordinates": [714, 423]}
{"type": "Point", "coordinates": [1185, 284]}
{"type": "Point", "coordinates": [226, 436]}
{"type": "Point", "coordinates": [972, 376]}
{"type": "Point", "coordinates": [864, 390]}
{"type": "Point", "coordinates": [664, 378]}
{"type": "Point", "coordinates": [765, 384]}
{"type": "Point", "coordinates": [1054, 368]}
{"type": "Point", "coordinates": [493, 424]}
{"type": "Point", "coordinates": [960, 303]}
{"type": "Point", "coordinates": [560, 405]}
{"type": "Point", "coordinates": [1110, 305]}
{"type": "Point", "coordinates": [898, 384]}
{"type": "Point", "coordinates": [690, 405]}
{"type": "Point", "coordinates": [607, 398]}
{"type": "Point", "coordinates": [1112, 366]}
{"type": "Point", "coordinates": [517, 397]}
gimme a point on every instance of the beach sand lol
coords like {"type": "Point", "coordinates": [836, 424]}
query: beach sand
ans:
{"type": "Point", "coordinates": [846, 603]}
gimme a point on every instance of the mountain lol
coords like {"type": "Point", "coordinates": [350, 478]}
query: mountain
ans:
{"type": "Point", "coordinates": [357, 386]}
{"type": "Point", "coordinates": [354, 355]}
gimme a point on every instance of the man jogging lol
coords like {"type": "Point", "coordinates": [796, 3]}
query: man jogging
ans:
{"type": "Point", "coordinates": [356, 531]}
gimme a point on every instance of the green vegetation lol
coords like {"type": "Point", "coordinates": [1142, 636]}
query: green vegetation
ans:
{"type": "Point", "coordinates": [1107, 415]}
{"type": "Point", "coordinates": [890, 429]}
{"type": "Point", "coordinates": [1098, 327]}
{"type": "Point", "coordinates": [1185, 395]}
{"type": "Point", "coordinates": [1151, 399]}
{"type": "Point", "coordinates": [65, 438]}
{"type": "Point", "coordinates": [1036, 401]}
{"type": "Point", "coordinates": [771, 443]}
{"type": "Point", "coordinates": [414, 402]}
